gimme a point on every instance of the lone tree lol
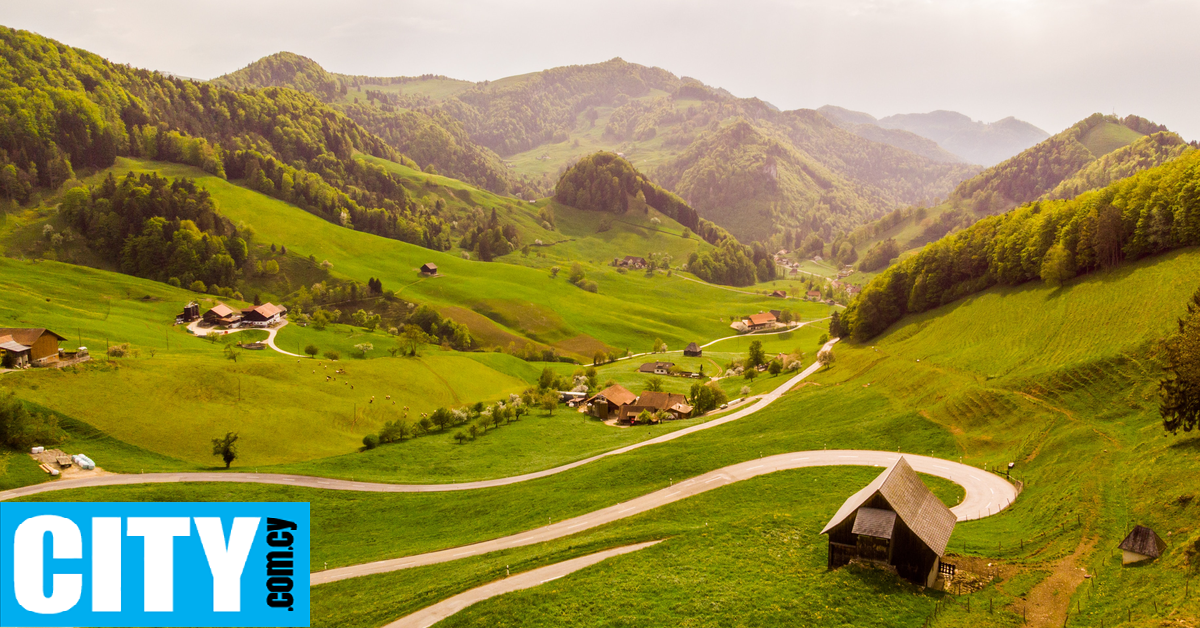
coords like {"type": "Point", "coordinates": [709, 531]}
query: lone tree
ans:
{"type": "Point", "coordinates": [1180, 387]}
{"type": "Point", "coordinates": [654, 384]}
{"type": "Point", "coordinates": [311, 350]}
{"type": "Point", "coordinates": [226, 448]}
{"type": "Point", "coordinates": [757, 355]}
{"type": "Point", "coordinates": [775, 368]}
{"type": "Point", "coordinates": [825, 357]}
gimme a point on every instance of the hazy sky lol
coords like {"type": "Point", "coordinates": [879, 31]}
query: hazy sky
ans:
{"type": "Point", "coordinates": [1050, 62]}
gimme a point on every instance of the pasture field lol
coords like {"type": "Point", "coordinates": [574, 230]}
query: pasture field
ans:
{"type": "Point", "coordinates": [1080, 435]}
{"type": "Point", "coordinates": [1106, 137]}
{"type": "Point", "coordinates": [501, 301]}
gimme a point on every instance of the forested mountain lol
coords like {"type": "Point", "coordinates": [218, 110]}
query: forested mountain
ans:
{"type": "Point", "coordinates": [971, 141]}
{"type": "Point", "coordinates": [436, 141]}
{"type": "Point", "coordinates": [830, 180]}
{"type": "Point", "coordinates": [1089, 155]}
{"type": "Point", "coordinates": [64, 108]}
{"type": "Point", "coordinates": [1153, 211]}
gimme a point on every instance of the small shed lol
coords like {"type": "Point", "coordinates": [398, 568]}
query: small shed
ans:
{"type": "Point", "coordinates": [429, 268]}
{"type": "Point", "coordinates": [692, 351]}
{"type": "Point", "coordinates": [1141, 544]}
{"type": "Point", "coordinates": [895, 520]}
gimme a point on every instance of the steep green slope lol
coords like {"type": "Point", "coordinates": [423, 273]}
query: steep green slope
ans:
{"type": "Point", "coordinates": [1151, 212]}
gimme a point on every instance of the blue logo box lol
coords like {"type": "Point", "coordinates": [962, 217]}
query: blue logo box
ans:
{"type": "Point", "coordinates": [154, 564]}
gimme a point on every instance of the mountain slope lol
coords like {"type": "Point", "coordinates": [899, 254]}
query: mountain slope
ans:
{"type": "Point", "coordinates": [865, 125]}
{"type": "Point", "coordinates": [976, 142]}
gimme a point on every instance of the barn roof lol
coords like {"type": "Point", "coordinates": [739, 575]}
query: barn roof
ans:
{"type": "Point", "coordinates": [913, 502]}
{"type": "Point", "coordinates": [7, 343]}
{"type": "Point", "coordinates": [267, 310]}
{"type": "Point", "coordinates": [762, 318]}
{"type": "Point", "coordinates": [650, 367]}
{"type": "Point", "coordinates": [617, 394]}
{"type": "Point", "coordinates": [1144, 541]}
{"type": "Point", "coordinates": [222, 310]}
{"type": "Point", "coordinates": [27, 335]}
{"type": "Point", "coordinates": [660, 400]}
{"type": "Point", "coordinates": [692, 347]}
{"type": "Point", "coordinates": [875, 522]}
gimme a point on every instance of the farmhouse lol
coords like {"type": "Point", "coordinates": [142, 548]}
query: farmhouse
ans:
{"type": "Point", "coordinates": [1141, 544]}
{"type": "Point", "coordinates": [22, 347]}
{"type": "Point", "coordinates": [658, 368]}
{"type": "Point", "coordinates": [263, 315]}
{"type": "Point", "coordinates": [222, 314]}
{"type": "Point", "coordinates": [780, 294]}
{"type": "Point", "coordinates": [674, 404]}
{"type": "Point", "coordinates": [429, 268]}
{"type": "Point", "coordinates": [692, 351]}
{"type": "Point", "coordinates": [762, 320]}
{"type": "Point", "coordinates": [608, 402]}
{"type": "Point", "coordinates": [631, 262]}
{"type": "Point", "coordinates": [895, 520]}
{"type": "Point", "coordinates": [814, 295]}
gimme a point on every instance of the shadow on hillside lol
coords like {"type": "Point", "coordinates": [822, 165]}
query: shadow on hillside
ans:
{"type": "Point", "coordinates": [1187, 444]}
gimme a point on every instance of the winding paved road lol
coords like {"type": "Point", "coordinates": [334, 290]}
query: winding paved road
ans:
{"type": "Point", "coordinates": [348, 485]}
{"type": "Point", "coordinates": [986, 494]}
{"type": "Point", "coordinates": [432, 614]}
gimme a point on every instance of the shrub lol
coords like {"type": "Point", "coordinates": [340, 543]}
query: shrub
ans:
{"type": "Point", "coordinates": [20, 428]}
{"type": "Point", "coordinates": [118, 351]}
{"type": "Point", "coordinates": [744, 391]}
{"type": "Point", "coordinates": [460, 437]}
{"type": "Point", "coordinates": [370, 441]}
{"type": "Point", "coordinates": [332, 355]}
{"type": "Point", "coordinates": [198, 286]}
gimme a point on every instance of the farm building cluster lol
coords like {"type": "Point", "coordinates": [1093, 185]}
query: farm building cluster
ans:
{"type": "Point", "coordinates": [221, 315]}
{"type": "Point", "coordinates": [22, 348]}
{"type": "Point", "coordinates": [617, 403]}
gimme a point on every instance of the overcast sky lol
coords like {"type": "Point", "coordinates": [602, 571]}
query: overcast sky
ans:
{"type": "Point", "coordinates": [1049, 62]}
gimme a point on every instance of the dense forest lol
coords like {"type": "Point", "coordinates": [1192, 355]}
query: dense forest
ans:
{"type": "Point", "coordinates": [607, 183]}
{"type": "Point", "coordinates": [65, 108]}
{"type": "Point", "coordinates": [158, 228]}
{"type": "Point", "coordinates": [733, 264]}
{"type": "Point", "coordinates": [1151, 212]}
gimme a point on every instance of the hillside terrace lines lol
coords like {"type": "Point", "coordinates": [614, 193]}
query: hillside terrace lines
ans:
{"type": "Point", "coordinates": [985, 494]}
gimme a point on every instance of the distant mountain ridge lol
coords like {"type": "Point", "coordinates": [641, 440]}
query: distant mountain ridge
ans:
{"type": "Point", "coordinates": [819, 178]}
{"type": "Point", "coordinates": [972, 141]}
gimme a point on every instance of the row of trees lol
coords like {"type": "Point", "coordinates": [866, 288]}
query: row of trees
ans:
{"type": "Point", "coordinates": [1153, 211]}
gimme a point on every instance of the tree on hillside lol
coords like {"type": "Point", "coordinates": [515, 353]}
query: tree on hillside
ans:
{"type": "Point", "coordinates": [441, 418]}
{"type": "Point", "coordinates": [654, 384]}
{"type": "Point", "coordinates": [775, 368]}
{"type": "Point", "coordinates": [20, 428]}
{"type": "Point", "coordinates": [1058, 266]}
{"type": "Point", "coordinates": [757, 356]}
{"type": "Point", "coordinates": [1180, 388]}
{"type": "Point", "coordinates": [311, 350]}
{"type": "Point", "coordinates": [835, 326]}
{"type": "Point", "coordinates": [706, 397]}
{"type": "Point", "coordinates": [576, 275]}
{"type": "Point", "coordinates": [825, 358]}
{"type": "Point", "coordinates": [226, 448]}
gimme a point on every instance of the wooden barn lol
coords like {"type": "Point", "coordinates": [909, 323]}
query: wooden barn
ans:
{"type": "Point", "coordinates": [608, 402]}
{"type": "Point", "coordinates": [28, 346]}
{"type": "Point", "coordinates": [221, 314]}
{"type": "Point", "coordinates": [429, 269]}
{"type": "Point", "coordinates": [263, 315]}
{"type": "Point", "coordinates": [1141, 544]}
{"type": "Point", "coordinates": [692, 351]}
{"type": "Point", "coordinates": [895, 520]}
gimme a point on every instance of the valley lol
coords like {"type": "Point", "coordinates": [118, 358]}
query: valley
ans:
{"type": "Point", "coordinates": [605, 345]}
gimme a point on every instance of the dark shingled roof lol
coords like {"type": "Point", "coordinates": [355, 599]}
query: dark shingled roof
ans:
{"type": "Point", "coordinates": [692, 347]}
{"type": "Point", "coordinates": [913, 502]}
{"type": "Point", "coordinates": [650, 367]}
{"type": "Point", "coordinates": [874, 522]}
{"type": "Point", "coordinates": [1144, 541]}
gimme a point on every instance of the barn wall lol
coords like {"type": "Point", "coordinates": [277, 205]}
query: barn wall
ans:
{"type": "Point", "coordinates": [46, 346]}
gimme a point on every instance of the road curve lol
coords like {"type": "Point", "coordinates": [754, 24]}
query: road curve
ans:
{"type": "Point", "coordinates": [986, 494]}
{"type": "Point", "coordinates": [349, 485]}
{"type": "Point", "coordinates": [432, 614]}
{"type": "Point", "coordinates": [199, 331]}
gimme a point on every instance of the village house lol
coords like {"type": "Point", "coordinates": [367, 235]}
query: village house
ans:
{"type": "Point", "coordinates": [658, 368]}
{"type": "Point", "coordinates": [429, 269]}
{"type": "Point", "coordinates": [854, 290]}
{"type": "Point", "coordinates": [779, 294]}
{"type": "Point", "coordinates": [24, 347]}
{"type": "Point", "coordinates": [1141, 544]}
{"type": "Point", "coordinates": [814, 295]}
{"type": "Point", "coordinates": [263, 315]}
{"type": "Point", "coordinates": [895, 520]}
{"type": "Point", "coordinates": [762, 320]}
{"type": "Point", "coordinates": [653, 402]}
{"type": "Point", "coordinates": [630, 262]}
{"type": "Point", "coordinates": [608, 402]}
{"type": "Point", "coordinates": [221, 314]}
{"type": "Point", "coordinates": [692, 351]}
